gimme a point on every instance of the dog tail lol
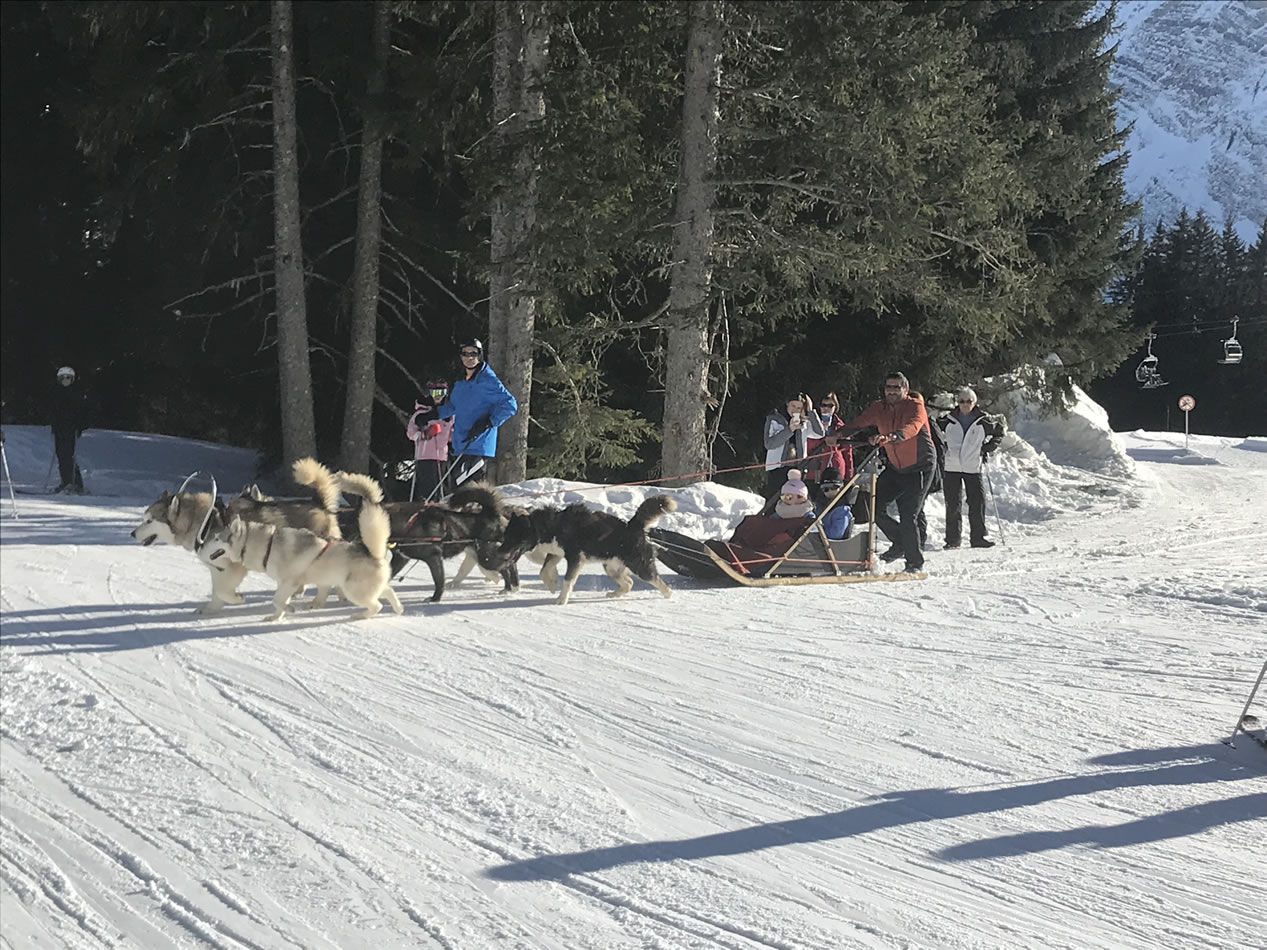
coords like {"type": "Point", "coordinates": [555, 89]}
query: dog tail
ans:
{"type": "Point", "coordinates": [649, 511]}
{"type": "Point", "coordinates": [376, 529]}
{"type": "Point", "coordinates": [310, 472]}
{"type": "Point", "coordinates": [354, 483]}
{"type": "Point", "coordinates": [487, 498]}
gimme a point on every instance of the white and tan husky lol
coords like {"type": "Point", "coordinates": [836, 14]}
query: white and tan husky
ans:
{"type": "Point", "coordinates": [295, 557]}
{"type": "Point", "coordinates": [177, 518]}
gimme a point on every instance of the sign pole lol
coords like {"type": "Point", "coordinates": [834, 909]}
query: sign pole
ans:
{"type": "Point", "coordinates": [1187, 404]}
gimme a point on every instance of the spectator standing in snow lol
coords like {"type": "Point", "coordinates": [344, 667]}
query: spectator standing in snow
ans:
{"type": "Point", "coordinates": [786, 435]}
{"type": "Point", "coordinates": [68, 416]}
{"type": "Point", "coordinates": [430, 435]}
{"type": "Point", "coordinates": [969, 436]}
{"type": "Point", "coordinates": [477, 404]}
{"type": "Point", "coordinates": [826, 452]}
{"type": "Point", "coordinates": [903, 430]}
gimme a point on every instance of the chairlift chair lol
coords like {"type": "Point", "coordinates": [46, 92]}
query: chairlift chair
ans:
{"type": "Point", "coordinates": [1146, 370]}
{"type": "Point", "coordinates": [1146, 373]}
{"type": "Point", "coordinates": [1232, 351]}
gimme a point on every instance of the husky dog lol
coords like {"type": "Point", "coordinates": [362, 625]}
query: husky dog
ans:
{"type": "Point", "coordinates": [577, 534]}
{"type": "Point", "coordinates": [177, 518]}
{"type": "Point", "coordinates": [296, 557]}
{"type": "Point", "coordinates": [430, 533]}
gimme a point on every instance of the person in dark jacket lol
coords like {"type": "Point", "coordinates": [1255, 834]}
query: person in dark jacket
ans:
{"type": "Point", "coordinates": [478, 404]}
{"type": "Point", "coordinates": [903, 430]}
{"type": "Point", "coordinates": [969, 436]}
{"type": "Point", "coordinates": [68, 416]}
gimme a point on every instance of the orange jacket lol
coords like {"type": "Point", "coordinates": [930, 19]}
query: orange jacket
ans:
{"type": "Point", "coordinates": [912, 449]}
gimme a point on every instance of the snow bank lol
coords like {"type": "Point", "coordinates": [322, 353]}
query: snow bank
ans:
{"type": "Point", "coordinates": [704, 510]}
{"type": "Point", "coordinates": [1081, 438]}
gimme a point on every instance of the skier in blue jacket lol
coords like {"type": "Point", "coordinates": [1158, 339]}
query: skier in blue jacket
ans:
{"type": "Point", "coordinates": [478, 404]}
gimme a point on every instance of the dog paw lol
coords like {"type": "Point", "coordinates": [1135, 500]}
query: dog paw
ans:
{"type": "Point", "coordinates": [235, 598]}
{"type": "Point", "coordinates": [207, 609]}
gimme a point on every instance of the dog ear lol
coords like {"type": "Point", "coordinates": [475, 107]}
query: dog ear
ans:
{"type": "Point", "coordinates": [173, 507]}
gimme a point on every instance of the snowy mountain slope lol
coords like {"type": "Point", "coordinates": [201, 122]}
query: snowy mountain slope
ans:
{"type": "Point", "coordinates": [1193, 81]}
{"type": "Point", "coordinates": [1019, 752]}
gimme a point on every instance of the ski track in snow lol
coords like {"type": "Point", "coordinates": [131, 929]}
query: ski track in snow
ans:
{"type": "Point", "coordinates": [1020, 751]}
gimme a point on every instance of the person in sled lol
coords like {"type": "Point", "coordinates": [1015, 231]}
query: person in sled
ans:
{"type": "Point", "coordinates": [430, 435]}
{"type": "Point", "coordinates": [786, 435]}
{"type": "Point", "coordinates": [838, 520]}
{"type": "Point", "coordinates": [969, 436]}
{"type": "Point", "coordinates": [794, 498]}
{"type": "Point", "coordinates": [902, 428]}
{"type": "Point", "coordinates": [477, 404]}
{"type": "Point", "coordinates": [68, 416]}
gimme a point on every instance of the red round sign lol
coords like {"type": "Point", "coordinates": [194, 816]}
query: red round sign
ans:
{"type": "Point", "coordinates": [1187, 403]}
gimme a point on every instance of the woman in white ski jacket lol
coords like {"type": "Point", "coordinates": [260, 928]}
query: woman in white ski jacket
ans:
{"type": "Point", "coordinates": [787, 433]}
{"type": "Point", "coordinates": [969, 436]}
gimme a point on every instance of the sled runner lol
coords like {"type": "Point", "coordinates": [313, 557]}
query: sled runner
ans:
{"type": "Point", "coordinates": [766, 552]}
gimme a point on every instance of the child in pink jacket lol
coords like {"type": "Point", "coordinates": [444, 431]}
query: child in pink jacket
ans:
{"type": "Point", "coordinates": [431, 442]}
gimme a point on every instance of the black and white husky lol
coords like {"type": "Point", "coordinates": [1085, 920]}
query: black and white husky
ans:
{"type": "Point", "coordinates": [295, 557]}
{"type": "Point", "coordinates": [578, 533]}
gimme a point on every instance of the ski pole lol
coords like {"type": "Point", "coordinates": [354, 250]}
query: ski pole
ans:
{"type": "Point", "coordinates": [993, 500]}
{"type": "Point", "coordinates": [1230, 740]}
{"type": "Point", "coordinates": [444, 478]}
{"type": "Point", "coordinates": [413, 482]}
{"type": "Point", "coordinates": [4, 456]}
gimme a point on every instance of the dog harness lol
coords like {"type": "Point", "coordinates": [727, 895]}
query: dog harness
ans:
{"type": "Point", "coordinates": [267, 551]}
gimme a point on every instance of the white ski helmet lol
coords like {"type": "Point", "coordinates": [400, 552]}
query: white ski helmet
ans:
{"type": "Point", "coordinates": [66, 371]}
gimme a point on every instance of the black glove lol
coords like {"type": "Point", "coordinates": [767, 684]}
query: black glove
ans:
{"type": "Point", "coordinates": [478, 427]}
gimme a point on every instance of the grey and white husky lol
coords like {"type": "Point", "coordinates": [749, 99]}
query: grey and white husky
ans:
{"type": "Point", "coordinates": [177, 518]}
{"type": "Point", "coordinates": [296, 557]}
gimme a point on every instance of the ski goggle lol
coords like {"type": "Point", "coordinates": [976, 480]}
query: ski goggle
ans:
{"type": "Point", "coordinates": [437, 393]}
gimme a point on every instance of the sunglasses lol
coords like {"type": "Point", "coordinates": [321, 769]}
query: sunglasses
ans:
{"type": "Point", "coordinates": [965, 402]}
{"type": "Point", "coordinates": [470, 352]}
{"type": "Point", "coordinates": [828, 405]}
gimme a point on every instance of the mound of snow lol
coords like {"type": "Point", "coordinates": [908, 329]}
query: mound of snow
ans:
{"type": "Point", "coordinates": [1082, 437]}
{"type": "Point", "coordinates": [704, 510]}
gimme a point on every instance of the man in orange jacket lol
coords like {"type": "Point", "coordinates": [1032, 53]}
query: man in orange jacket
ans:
{"type": "Point", "coordinates": [903, 430]}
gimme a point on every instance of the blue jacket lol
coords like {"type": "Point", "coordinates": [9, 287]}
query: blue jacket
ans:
{"type": "Point", "coordinates": [472, 400]}
{"type": "Point", "coordinates": [837, 521]}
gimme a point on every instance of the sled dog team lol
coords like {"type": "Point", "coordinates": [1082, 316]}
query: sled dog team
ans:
{"type": "Point", "coordinates": [302, 542]}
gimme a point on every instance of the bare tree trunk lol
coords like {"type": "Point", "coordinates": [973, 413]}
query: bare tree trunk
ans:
{"type": "Point", "coordinates": [358, 407]}
{"type": "Point", "coordinates": [687, 360]}
{"type": "Point", "coordinates": [521, 58]}
{"type": "Point", "coordinates": [298, 426]}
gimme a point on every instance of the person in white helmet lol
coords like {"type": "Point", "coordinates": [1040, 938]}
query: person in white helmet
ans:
{"type": "Point", "coordinates": [68, 416]}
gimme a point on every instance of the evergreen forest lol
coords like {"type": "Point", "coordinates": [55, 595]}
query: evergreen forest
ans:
{"type": "Point", "coordinates": [267, 223]}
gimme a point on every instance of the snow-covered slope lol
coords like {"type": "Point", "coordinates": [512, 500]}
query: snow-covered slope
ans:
{"type": "Point", "coordinates": [1020, 752]}
{"type": "Point", "coordinates": [1193, 81]}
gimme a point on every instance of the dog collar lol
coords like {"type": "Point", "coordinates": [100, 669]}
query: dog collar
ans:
{"type": "Point", "coordinates": [329, 541]}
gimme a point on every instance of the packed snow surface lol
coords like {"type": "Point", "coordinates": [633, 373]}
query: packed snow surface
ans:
{"type": "Point", "coordinates": [1020, 751]}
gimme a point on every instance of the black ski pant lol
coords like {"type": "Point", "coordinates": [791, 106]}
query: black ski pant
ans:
{"type": "Point", "coordinates": [971, 483]}
{"type": "Point", "coordinates": [908, 490]}
{"type": "Point", "coordinates": [471, 469]}
{"type": "Point", "coordinates": [428, 473]}
{"type": "Point", "coordinates": [64, 443]}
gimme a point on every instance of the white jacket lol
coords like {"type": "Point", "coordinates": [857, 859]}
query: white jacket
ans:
{"type": "Point", "coordinates": [778, 432]}
{"type": "Point", "coordinates": [965, 449]}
